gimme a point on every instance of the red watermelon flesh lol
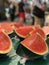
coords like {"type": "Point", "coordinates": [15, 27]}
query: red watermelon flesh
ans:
{"type": "Point", "coordinates": [40, 31]}
{"type": "Point", "coordinates": [17, 25]}
{"type": "Point", "coordinates": [46, 30]}
{"type": "Point", "coordinates": [36, 44]}
{"type": "Point", "coordinates": [5, 43]}
{"type": "Point", "coordinates": [24, 31]}
{"type": "Point", "coordinates": [7, 27]}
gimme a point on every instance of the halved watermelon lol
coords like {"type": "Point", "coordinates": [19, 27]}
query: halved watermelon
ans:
{"type": "Point", "coordinates": [5, 43]}
{"type": "Point", "coordinates": [10, 26]}
{"type": "Point", "coordinates": [36, 44]}
{"type": "Point", "coordinates": [24, 31]}
{"type": "Point", "coordinates": [40, 31]}
{"type": "Point", "coordinates": [46, 30]}
{"type": "Point", "coordinates": [7, 27]}
{"type": "Point", "coordinates": [25, 53]}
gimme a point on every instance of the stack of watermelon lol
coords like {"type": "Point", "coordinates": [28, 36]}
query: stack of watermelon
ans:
{"type": "Point", "coordinates": [7, 28]}
{"type": "Point", "coordinates": [34, 37]}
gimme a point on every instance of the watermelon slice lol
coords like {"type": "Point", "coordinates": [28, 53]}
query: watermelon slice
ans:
{"type": "Point", "coordinates": [7, 27]}
{"type": "Point", "coordinates": [40, 31]}
{"type": "Point", "coordinates": [24, 31]}
{"type": "Point", "coordinates": [46, 30]}
{"type": "Point", "coordinates": [10, 26]}
{"type": "Point", "coordinates": [36, 44]}
{"type": "Point", "coordinates": [5, 43]}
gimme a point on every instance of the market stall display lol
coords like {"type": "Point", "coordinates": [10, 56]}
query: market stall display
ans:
{"type": "Point", "coordinates": [34, 46]}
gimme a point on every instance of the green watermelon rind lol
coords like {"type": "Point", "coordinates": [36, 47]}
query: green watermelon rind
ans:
{"type": "Point", "coordinates": [26, 53]}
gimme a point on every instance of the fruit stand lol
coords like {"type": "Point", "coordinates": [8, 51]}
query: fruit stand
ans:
{"type": "Point", "coordinates": [13, 57]}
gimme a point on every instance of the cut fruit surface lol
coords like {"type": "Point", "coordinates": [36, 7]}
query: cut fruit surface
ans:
{"type": "Point", "coordinates": [5, 43]}
{"type": "Point", "coordinates": [7, 27]}
{"type": "Point", "coordinates": [46, 30]}
{"type": "Point", "coordinates": [40, 31]}
{"type": "Point", "coordinates": [24, 31]}
{"type": "Point", "coordinates": [36, 44]}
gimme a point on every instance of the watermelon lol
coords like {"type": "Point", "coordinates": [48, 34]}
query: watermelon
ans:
{"type": "Point", "coordinates": [17, 25]}
{"type": "Point", "coordinates": [10, 26]}
{"type": "Point", "coordinates": [24, 31]}
{"type": "Point", "coordinates": [40, 31]}
{"type": "Point", "coordinates": [46, 30]}
{"type": "Point", "coordinates": [5, 43]}
{"type": "Point", "coordinates": [7, 27]}
{"type": "Point", "coordinates": [36, 44]}
{"type": "Point", "coordinates": [25, 53]}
